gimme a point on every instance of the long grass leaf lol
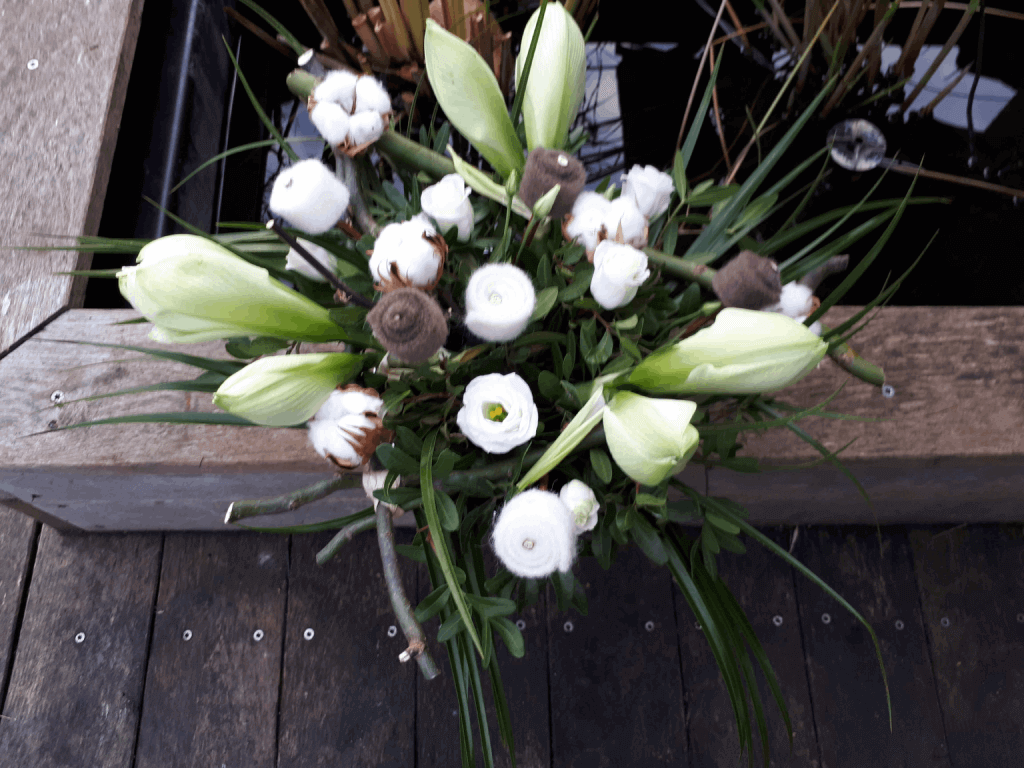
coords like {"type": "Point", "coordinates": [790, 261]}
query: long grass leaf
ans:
{"type": "Point", "coordinates": [182, 417]}
{"type": "Point", "coordinates": [241, 148]}
{"type": "Point", "coordinates": [840, 245]}
{"type": "Point", "coordinates": [194, 385]}
{"type": "Point", "coordinates": [280, 28]}
{"type": "Point", "coordinates": [501, 709]}
{"type": "Point", "coordinates": [226, 367]}
{"type": "Point", "coordinates": [271, 128]}
{"type": "Point", "coordinates": [698, 122]}
{"type": "Point", "coordinates": [481, 709]}
{"type": "Point", "coordinates": [326, 525]}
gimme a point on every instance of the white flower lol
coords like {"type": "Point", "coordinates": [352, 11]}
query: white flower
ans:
{"type": "Point", "coordinates": [404, 246]}
{"type": "Point", "coordinates": [498, 412]}
{"type": "Point", "coordinates": [581, 502]}
{"type": "Point", "coordinates": [624, 223]}
{"type": "Point", "coordinates": [535, 535]}
{"type": "Point", "coordinates": [331, 120]}
{"type": "Point", "coordinates": [447, 203]}
{"type": "Point", "coordinates": [309, 196]}
{"type": "Point", "coordinates": [797, 302]}
{"type": "Point", "coordinates": [587, 224]}
{"type": "Point", "coordinates": [297, 263]}
{"type": "Point", "coordinates": [499, 302]}
{"type": "Point", "coordinates": [618, 271]}
{"type": "Point", "coordinates": [650, 438]}
{"type": "Point", "coordinates": [338, 86]}
{"type": "Point", "coordinates": [364, 127]}
{"type": "Point", "coordinates": [348, 427]}
{"type": "Point", "coordinates": [371, 96]}
{"type": "Point", "coordinates": [649, 188]}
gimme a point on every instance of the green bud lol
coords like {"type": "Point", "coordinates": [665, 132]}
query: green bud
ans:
{"type": "Point", "coordinates": [285, 390]}
{"type": "Point", "coordinates": [192, 289]}
{"type": "Point", "coordinates": [743, 352]}
{"type": "Point", "coordinates": [650, 439]}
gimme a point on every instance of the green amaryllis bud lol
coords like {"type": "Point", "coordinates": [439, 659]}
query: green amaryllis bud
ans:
{"type": "Point", "coordinates": [285, 390]}
{"type": "Point", "coordinates": [192, 290]}
{"type": "Point", "coordinates": [468, 92]}
{"type": "Point", "coordinates": [557, 79]}
{"type": "Point", "coordinates": [744, 352]}
{"type": "Point", "coordinates": [650, 439]}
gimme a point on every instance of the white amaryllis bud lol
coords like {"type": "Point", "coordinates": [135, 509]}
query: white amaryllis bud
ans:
{"type": "Point", "coordinates": [309, 196]}
{"type": "Point", "coordinates": [650, 438]}
{"type": "Point", "coordinates": [587, 224]}
{"type": "Point", "coordinates": [371, 96]}
{"type": "Point", "coordinates": [499, 302]}
{"type": "Point", "coordinates": [535, 535]}
{"type": "Point", "coordinates": [447, 203]}
{"type": "Point", "coordinates": [498, 412]}
{"type": "Point", "coordinates": [649, 188]}
{"type": "Point", "coordinates": [624, 223]}
{"type": "Point", "coordinates": [338, 86]}
{"type": "Point", "coordinates": [365, 127]}
{"type": "Point", "coordinates": [347, 428]}
{"type": "Point", "coordinates": [579, 498]}
{"type": "Point", "coordinates": [331, 120]}
{"type": "Point", "coordinates": [407, 254]}
{"type": "Point", "coordinates": [618, 271]}
{"type": "Point", "coordinates": [297, 263]}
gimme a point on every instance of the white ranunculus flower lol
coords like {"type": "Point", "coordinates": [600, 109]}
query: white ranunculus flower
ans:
{"type": "Point", "coordinates": [297, 263]}
{"type": "Point", "coordinates": [498, 412]}
{"type": "Point", "coordinates": [417, 259]}
{"type": "Point", "coordinates": [348, 427]}
{"type": "Point", "coordinates": [587, 224]}
{"type": "Point", "coordinates": [447, 203]}
{"type": "Point", "coordinates": [499, 302]}
{"type": "Point", "coordinates": [309, 196]}
{"type": "Point", "coordinates": [649, 188]}
{"type": "Point", "coordinates": [535, 535]}
{"type": "Point", "coordinates": [624, 222]}
{"type": "Point", "coordinates": [618, 271]}
{"type": "Point", "coordinates": [582, 504]}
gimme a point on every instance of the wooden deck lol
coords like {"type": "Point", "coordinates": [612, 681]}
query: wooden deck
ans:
{"type": "Point", "coordinates": [141, 650]}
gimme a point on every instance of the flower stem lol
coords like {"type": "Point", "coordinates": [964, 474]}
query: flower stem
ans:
{"type": "Point", "coordinates": [343, 537]}
{"type": "Point", "coordinates": [239, 510]}
{"type": "Point", "coordinates": [399, 600]}
{"type": "Point", "coordinates": [345, 170]}
{"type": "Point", "coordinates": [348, 294]}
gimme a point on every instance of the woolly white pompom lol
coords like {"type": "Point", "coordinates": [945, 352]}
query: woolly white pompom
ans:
{"type": "Point", "coordinates": [581, 502]}
{"type": "Point", "coordinates": [371, 96]}
{"type": "Point", "coordinates": [618, 271]}
{"type": "Point", "coordinates": [364, 127]}
{"type": "Point", "coordinates": [499, 301]}
{"type": "Point", "coordinates": [625, 223]}
{"type": "Point", "coordinates": [498, 412]}
{"type": "Point", "coordinates": [535, 535]}
{"type": "Point", "coordinates": [417, 260]}
{"type": "Point", "coordinates": [588, 218]}
{"type": "Point", "coordinates": [338, 86]}
{"type": "Point", "coordinates": [297, 263]}
{"type": "Point", "coordinates": [649, 188]}
{"type": "Point", "coordinates": [331, 120]}
{"type": "Point", "coordinates": [309, 196]}
{"type": "Point", "coordinates": [795, 300]}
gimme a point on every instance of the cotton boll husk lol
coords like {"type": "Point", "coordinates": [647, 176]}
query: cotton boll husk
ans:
{"type": "Point", "coordinates": [364, 127]}
{"type": "Point", "coordinates": [339, 86]}
{"type": "Point", "coordinates": [331, 120]}
{"type": "Point", "coordinates": [625, 223]}
{"type": "Point", "coordinates": [297, 263]}
{"type": "Point", "coordinates": [371, 96]}
{"type": "Point", "coordinates": [535, 535]}
{"type": "Point", "coordinates": [589, 213]}
{"type": "Point", "coordinates": [309, 196]}
{"type": "Point", "coordinates": [619, 270]}
{"type": "Point", "coordinates": [348, 427]}
{"type": "Point", "coordinates": [499, 302]}
{"type": "Point", "coordinates": [336, 437]}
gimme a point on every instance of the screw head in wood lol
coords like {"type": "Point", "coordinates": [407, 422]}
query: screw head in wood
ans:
{"type": "Point", "coordinates": [520, 625]}
{"type": "Point", "coordinates": [826, 618]}
{"type": "Point", "coordinates": [777, 620]}
{"type": "Point", "coordinates": [944, 621]}
{"type": "Point", "coordinates": [186, 635]}
{"type": "Point", "coordinates": [80, 637]}
{"type": "Point", "coordinates": [33, 64]}
{"type": "Point", "coordinates": [57, 397]}
{"type": "Point", "coordinates": [899, 624]}
{"type": "Point", "coordinates": [567, 626]}
{"type": "Point", "coordinates": [649, 626]}
{"type": "Point", "coordinates": [392, 630]}
{"type": "Point", "coordinates": [308, 634]}
{"type": "Point", "coordinates": [257, 635]}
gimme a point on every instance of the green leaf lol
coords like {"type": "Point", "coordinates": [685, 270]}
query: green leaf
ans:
{"type": "Point", "coordinates": [580, 284]}
{"type": "Point", "coordinates": [721, 523]}
{"type": "Point", "coordinates": [224, 367]}
{"type": "Point", "coordinates": [445, 464]}
{"type": "Point", "coordinates": [240, 148]}
{"type": "Point", "coordinates": [271, 128]}
{"type": "Point", "coordinates": [601, 464]}
{"type": "Point", "coordinates": [278, 27]}
{"type": "Point", "coordinates": [450, 627]}
{"type": "Point", "coordinates": [647, 538]}
{"type": "Point", "coordinates": [698, 119]}
{"type": "Point", "coordinates": [396, 460]}
{"type": "Point", "coordinates": [679, 175]}
{"type": "Point", "coordinates": [489, 607]}
{"type": "Point", "coordinates": [546, 299]}
{"type": "Point", "coordinates": [448, 513]}
{"type": "Point", "coordinates": [432, 604]}
{"type": "Point", "coordinates": [246, 349]}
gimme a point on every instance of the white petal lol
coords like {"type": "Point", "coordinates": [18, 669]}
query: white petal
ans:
{"type": "Point", "coordinates": [364, 127]}
{"type": "Point", "coordinates": [297, 263]}
{"type": "Point", "coordinates": [309, 196]}
{"type": "Point", "coordinates": [534, 535]}
{"type": "Point", "coordinates": [622, 213]}
{"type": "Point", "coordinates": [588, 217]}
{"type": "Point", "coordinates": [447, 203]}
{"type": "Point", "coordinates": [582, 504]}
{"type": "Point", "coordinates": [338, 86]}
{"type": "Point", "coordinates": [499, 301]}
{"type": "Point", "coordinates": [619, 270]}
{"type": "Point", "coordinates": [510, 392]}
{"type": "Point", "coordinates": [331, 120]}
{"type": "Point", "coordinates": [371, 96]}
{"type": "Point", "coordinates": [649, 188]}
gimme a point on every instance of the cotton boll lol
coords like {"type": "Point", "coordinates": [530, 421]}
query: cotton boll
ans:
{"type": "Point", "coordinates": [499, 302]}
{"type": "Point", "coordinates": [587, 225]}
{"type": "Point", "coordinates": [794, 301]}
{"type": "Point", "coordinates": [364, 127]}
{"type": "Point", "coordinates": [339, 86]}
{"type": "Point", "coordinates": [625, 223]}
{"type": "Point", "coordinates": [297, 263]}
{"type": "Point", "coordinates": [331, 120]}
{"type": "Point", "coordinates": [410, 248]}
{"type": "Point", "coordinates": [535, 535]}
{"type": "Point", "coordinates": [371, 96]}
{"type": "Point", "coordinates": [309, 196]}
{"type": "Point", "coordinates": [347, 428]}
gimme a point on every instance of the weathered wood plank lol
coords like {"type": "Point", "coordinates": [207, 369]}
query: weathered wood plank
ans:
{"type": "Point", "coordinates": [763, 584]}
{"type": "Point", "coordinates": [64, 73]}
{"type": "Point", "coordinates": [76, 687]}
{"type": "Point", "coordinates": [877, 578]}
{"type": "Point", "coordinates": [213, 675]}
{"type": "Point", "coordinates": [17, 536]}
{"type": "Point", "coordinates": [616, 689]}
{"type": "Point", "coordinates": [346, 699]}
{"type": "Point", "coordinates": [971, 586]}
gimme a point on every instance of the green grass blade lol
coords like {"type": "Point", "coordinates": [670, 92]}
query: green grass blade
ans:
{"type": "Point", "coordinates": [241, 148]}
{"type": "Point", "coordinates": [501, 709]}
{"type": "Point", "coordinates": [183, 417]}
{"type": "Point", "coordinates": [814, 410]}
{"type": "Point", "coordinates": [289, 38]}
{"type": "Point", "coordinates": [439, 537]}
{"type": "Point", "coordinates": [326, 525]}
{"type": "Point", "coordinates": [190, 227]}
{"type": "Point", "coordinates": [225, 367]}
{"type": "Point", "coordinates": [702, 110]}
{"type": "Point", "coordinates": [839, 245]}
{"type": "Point", "coordinates": [208, 382]}
{"type": "Point", "coordinates": [271, 128]}
{"type": "Point", "coordinates": [517, 103]}
{"type": "Point", "coordinates": [481, 709]}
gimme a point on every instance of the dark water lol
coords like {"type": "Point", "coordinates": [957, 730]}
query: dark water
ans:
{"type": "Point", "coordinates": [635, 100]}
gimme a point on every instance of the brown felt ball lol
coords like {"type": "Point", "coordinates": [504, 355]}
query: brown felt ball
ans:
{"type": "Point", "coordinates": [544, 169]}
{"type": "Point", "coordinates": [409, 323]}
{"type": "Point", "coordinates": [748, 281]}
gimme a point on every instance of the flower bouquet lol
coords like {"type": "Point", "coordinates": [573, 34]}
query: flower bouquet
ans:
{"type": "Point", "coordinates": [524, 363]}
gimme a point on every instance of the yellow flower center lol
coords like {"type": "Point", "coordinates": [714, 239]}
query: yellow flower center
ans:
{"type": "Point", "coordinates": [495, 412]}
